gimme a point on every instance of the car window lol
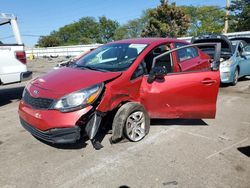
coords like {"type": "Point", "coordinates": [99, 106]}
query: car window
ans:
{"type": "Point", "coordinates": [154, 53]}
{"type": "Point", "coordinates": [165, 62]}
{"type": "Point", "coordinates": [111, 57]}
{"type": "Point", "coordinates": [186, 53]}
{"type": "Point", "coordinates": [141, 70]}
{"type": "Point", "coordinates": [247, 48]}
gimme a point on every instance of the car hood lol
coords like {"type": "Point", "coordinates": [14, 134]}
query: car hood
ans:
{"type": "Point", "coordinates": [66, 80]}
{"type": "Point", "coordinates": [226, 45]}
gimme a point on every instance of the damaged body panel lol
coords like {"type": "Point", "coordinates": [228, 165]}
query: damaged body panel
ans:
{"type": "Point", "coordinates": [137, 79]}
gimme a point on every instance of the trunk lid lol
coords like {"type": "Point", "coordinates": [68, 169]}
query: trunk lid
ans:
{"type": "Point", "coordinates": [226, 45]}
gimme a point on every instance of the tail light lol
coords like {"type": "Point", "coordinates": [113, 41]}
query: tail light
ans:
{"type": "Point", "coordinates": [21, 56]}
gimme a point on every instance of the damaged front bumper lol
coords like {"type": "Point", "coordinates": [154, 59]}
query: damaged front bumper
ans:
{"type": "Point", "coordinates": [52, 125]}
{"type": "Point", "coordinates": [55, 136]}
{"type": "Point", "coordinates": [58, 127]}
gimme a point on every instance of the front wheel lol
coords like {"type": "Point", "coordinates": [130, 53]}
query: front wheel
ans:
{"type": "Point", "coordinates": [134, 119]}
{"type": "Point", "coordinates": [236, 77]}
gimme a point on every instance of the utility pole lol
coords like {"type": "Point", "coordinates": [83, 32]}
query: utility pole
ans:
{"type": "Point", "coordinates": [164, 2]}
{"type": "Point", "coordinates": [226, 17]}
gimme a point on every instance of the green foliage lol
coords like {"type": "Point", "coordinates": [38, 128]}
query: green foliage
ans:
{"type": "Point", "coordinates": [205, 19]}
{"type": "Point", "coordinates": [107, 29]}
{"type": "Point", "coordinates": [48, 41]}
{"type": "Point", "coordinates": [86, 31]}
{"type": "Point", "coordinates": [240, 15]}
{"type": "Point", "coordinates": [166, 20]}
{"type": "Point", "coordinates": [133, 28]}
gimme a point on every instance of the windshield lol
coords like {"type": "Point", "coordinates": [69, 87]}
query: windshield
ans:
{"type": "Point", "coordinates": [111, 57]}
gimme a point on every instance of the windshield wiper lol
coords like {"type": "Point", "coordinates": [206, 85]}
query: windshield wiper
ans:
{"type": "Point", "coordinates": [91, 68]}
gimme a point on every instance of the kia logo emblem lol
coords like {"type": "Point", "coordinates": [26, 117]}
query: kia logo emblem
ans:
{"type": "Point", "coordinates": [35, 92]}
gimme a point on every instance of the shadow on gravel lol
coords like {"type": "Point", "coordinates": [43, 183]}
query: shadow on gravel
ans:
{"type": "Point", "coordinates": [222, 85]}
{"type": "Point", "coordinates": [188, 122]}
{"type": "Point", "coordinates": [78, 145]}
{"type": "Point", "coordinates": [244, 79]}
{"type": "Point", "coordinates": [9, 94]}
{"type": "Point", "coordinates": [245, 150]}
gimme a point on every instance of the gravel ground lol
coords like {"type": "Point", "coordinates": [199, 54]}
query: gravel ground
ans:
{"type": "Point", "coordinates": [176, 153]}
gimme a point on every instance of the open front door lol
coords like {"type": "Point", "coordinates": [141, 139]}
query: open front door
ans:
{"type": "Point", "coordinates": [183, 94]}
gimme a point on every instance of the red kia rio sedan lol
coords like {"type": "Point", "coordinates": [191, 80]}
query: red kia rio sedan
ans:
{"type": "Point", "coordinates": [138, 79]}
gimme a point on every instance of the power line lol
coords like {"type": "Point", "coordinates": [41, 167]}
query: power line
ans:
{"type": "Point", "coordinates": [7, 37]}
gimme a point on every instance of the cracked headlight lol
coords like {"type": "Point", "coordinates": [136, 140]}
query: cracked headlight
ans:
{"type": "Point", "coordinates": [78, 100]}
{"type": "Point", "coordinates": [226, 63]}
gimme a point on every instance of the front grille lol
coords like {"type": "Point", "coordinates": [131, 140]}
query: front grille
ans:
{"type": "Point", "coordinates": [37, 103]}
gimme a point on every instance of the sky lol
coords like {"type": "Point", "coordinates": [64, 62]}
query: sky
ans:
{"type": "Point", "coordinates": [40, 17]}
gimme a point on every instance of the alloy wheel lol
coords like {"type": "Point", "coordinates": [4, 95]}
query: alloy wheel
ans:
{"type": "Point", "coordinates": [135, 126]}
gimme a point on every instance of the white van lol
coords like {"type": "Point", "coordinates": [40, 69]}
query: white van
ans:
{"type": "Point", "coordinates": [12, 56]}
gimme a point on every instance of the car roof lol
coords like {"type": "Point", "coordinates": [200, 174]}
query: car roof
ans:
{"type": "Point", "coordinates": [148, 40]}
{"type": "Point", "coordinates": [241, 38]}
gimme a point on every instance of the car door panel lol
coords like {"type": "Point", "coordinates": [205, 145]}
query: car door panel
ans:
{"type": "Point", "coordinates": [244, 64]}
{"type": "Point", "coordinates": [190, 64]}
{"type": "Point", "coordinates": [189, 59]}
{"type": "Point", "coordinates": [183, 95]}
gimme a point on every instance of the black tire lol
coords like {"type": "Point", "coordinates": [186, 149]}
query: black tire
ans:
{"type": "Point", "coordinates": [119, 125]}
{"type": "Point", "coordinates": [236, 77]}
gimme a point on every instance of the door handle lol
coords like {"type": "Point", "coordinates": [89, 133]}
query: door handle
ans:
{"type": "Point", "coordinates": [208, 81]}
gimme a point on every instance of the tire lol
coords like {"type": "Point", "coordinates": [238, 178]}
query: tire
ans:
{"type": "Point", "coordinates": [132, 121]}
{"type": "Point", "coordinates": [236, 77]}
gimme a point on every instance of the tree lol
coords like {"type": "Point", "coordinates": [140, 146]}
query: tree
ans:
{"type": "Point", "coordinates": [240, 15]}
{"type": "Point", "coordinates": [132, 29]}
{"type": "Point", "coordinates": [166, 20]}
{"type": "Point", "coordinates": [87, 27]}
{"type": "Point", "coordinates": [205, 19]}
{"type": "Point", "coordinates": [85, 31]}
{"type": "Point", "coordinates": [48, 41]}
{"type": "Point", "coordinates": [107, 28]}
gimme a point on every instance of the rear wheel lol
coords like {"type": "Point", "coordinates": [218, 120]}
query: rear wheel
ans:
{"type": "Point", "coordinates": [236, 77]}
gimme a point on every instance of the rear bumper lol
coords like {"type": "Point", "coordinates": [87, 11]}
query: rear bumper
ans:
{"type": "Point", "coordinates": [55, 136]}
{"type": "Point", "coordinates": [26, 76]}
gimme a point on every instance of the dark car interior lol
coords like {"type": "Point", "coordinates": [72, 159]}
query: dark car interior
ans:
{"type": "Point", "coordinates": [164, 61]}
{"type": "Point", "coordinates": [226, 45]}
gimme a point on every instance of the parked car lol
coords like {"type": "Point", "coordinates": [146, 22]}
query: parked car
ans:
{"type": "Point", "coordinates": [72, 60]}
{"type": "Point", "coordinates": [12, 55]}
{"type": "Point", "coordinates": [235, 56]}
{"type": "Point", "coordinates": [138, 79]}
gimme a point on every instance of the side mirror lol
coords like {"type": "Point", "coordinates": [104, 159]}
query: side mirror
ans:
{"type": "Point", "coordinates": [156, 73]}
